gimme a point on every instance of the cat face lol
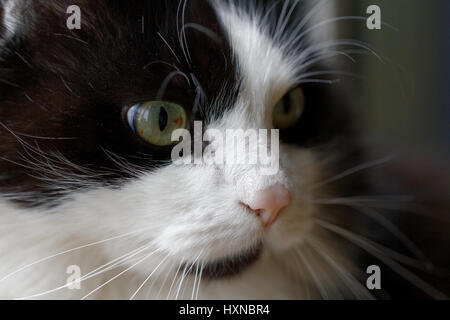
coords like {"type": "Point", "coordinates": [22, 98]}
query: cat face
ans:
{"type": "Point", "coordinates": [70, 149]}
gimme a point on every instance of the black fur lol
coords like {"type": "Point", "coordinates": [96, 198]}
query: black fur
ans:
{"type": "Point", "coordinates": [65, 92]}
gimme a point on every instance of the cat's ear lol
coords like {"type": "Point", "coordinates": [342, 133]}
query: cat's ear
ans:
{"type": "Point", "coordinates": [14, 19]}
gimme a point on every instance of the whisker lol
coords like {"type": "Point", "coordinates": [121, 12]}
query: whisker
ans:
{"type": "Point", "coordinates": [69, 251]}
{"type": "Point", "coordinates": [68, 87]}
{"type": "Point", "coordinates": [88, 276]}
{"type": "Point", "coordinates": [173, 281]}
{"type": "Point", "coordinates": [334, 291]}
{"type": "Point", "coordinates": [181, 37]}
{"type": "Point", "coordinates": [161, 62]}
{"type": "Point", "coordinates": [323, 292]}
{"type": "Point", "coordinates": [284, 17]}
{"type": "Point", "coordinates": [196, 273]}
{"type": "Point", "coordinates": [70, 37]}
{"type": "Point", "coordinates": [415, 263]}
{"type": "Point", "coordinates": [163, 283]}
{"type": "Point", "coordinates": [199, 281]}
{"type": "Point", "coordinates": [376, 252]}
{"type": "Point", "coordinates": [354, 285]}
{"type": "Point", "coordinates": [336, 19]}
{"type": "Point", "coordinates": [180, 282]}
{"type": "Point", "coordinates": [183, 34]}
{"type": "Point", "coordinates": [12, 84]}
{"type": "Point", "coordinates": [418, 209]}
{"type": "Point", "coordinates": [149, 290]}
{"type": "Point", "coordinates": [354, 170]}
{"type": "Point", "coordinates": [116, 262]}
{"type": "Point", "coordinates": [211, 34]}
{"type": "Point", "coordinates": [168, 46]}
{"type": "Point", "coordinates": [380, 199]}
{"type": "Point", "coordinates": [148, 278]}
{"type": "Point", "coordinates": [306, 19]}
{"type": "Point", "coordinates": [118, 275]}
{"type": "Point", "coordinates": [412, 247]}
{"type": "Point", "coordinates": [195, 282]}
{"type": "Point", "coordinates": [46, 138]}
{"type": "Point", "coordinates": [328, 72]}
{"type": "Point", "coordinates": [330, 82]}
{"type": "Point", "coordinates": [325, 55]}
{"type": "Point", "coordinates": [185, 273]}
{"type": "Point", "coordinates": [311, 50]}
{"type": "Point", "coordinates": [166, 82]}
{"type": "Point", "coordinates": [301, 269]}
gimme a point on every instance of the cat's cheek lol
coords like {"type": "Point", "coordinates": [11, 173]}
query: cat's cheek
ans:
{"type": "Point", "coordinates": [221, 229]}
{"type": "Point", "coordinates": [200, 215]}
{"type": "Point", "coordinates": [290, 231]}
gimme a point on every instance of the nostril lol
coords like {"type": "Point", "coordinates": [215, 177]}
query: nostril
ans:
{"type": "Point", "coordinates": [268, 203]}
{"type": "Point", "coordinates": [257, 212]}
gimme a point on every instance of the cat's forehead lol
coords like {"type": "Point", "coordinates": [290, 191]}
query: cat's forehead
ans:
{"type": "Point", "coordinates": [185, 50]}
{"type": "Point", "coordinates": [265, 71]}
{"type": "Point", "coordinates": [147, 40]}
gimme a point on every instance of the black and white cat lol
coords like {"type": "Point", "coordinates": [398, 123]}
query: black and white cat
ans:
{"type": "Point", "coordinates": [88, 186]}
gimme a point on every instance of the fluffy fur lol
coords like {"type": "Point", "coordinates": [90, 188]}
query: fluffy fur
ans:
{"type": "Point", "coordinates": [66, 201]}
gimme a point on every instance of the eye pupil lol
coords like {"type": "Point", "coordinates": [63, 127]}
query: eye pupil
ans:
{"type": "Point", "coordinates": [163, 118]}
{"type": "Point", "coordinates": [287, 104]}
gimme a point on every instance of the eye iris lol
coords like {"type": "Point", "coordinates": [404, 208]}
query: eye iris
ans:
{"type": "Point", "coordinates": [155, 121]}
{"type": "Point", "coordinates": [289, 110]}
{"type": "Point", "coordinates": [163, 118]}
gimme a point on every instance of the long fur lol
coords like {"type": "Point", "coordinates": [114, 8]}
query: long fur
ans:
{"type": "Point", "coordinates": [139, 226]}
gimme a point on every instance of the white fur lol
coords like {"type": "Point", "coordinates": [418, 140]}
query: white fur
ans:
{"type": "Point", "coordinates": [189, 213]}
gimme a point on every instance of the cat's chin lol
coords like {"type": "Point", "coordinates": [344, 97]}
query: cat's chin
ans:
{"type": "Point", "coordinates": [229, 266]}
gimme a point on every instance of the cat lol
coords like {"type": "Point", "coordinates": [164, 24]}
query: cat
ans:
{"type": "Point", "coordinates": [91, 205]}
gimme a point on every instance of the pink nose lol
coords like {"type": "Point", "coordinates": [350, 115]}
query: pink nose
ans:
{"type": "Point", "coordinates": [268, 203]}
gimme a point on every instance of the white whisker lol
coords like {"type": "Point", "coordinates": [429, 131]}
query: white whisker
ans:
{"type": "Point", "coordinates": [90, 275]}
{"type": "Point", "coordinates": [354, 285]}
{"type": "Point", "coordinates": [376, 252]}
{"type": "Point", "coordinates": [170, 48]}
{"type": "Point", "coordinates": [148, 278]}
{"type": "Point", "coordinates": [173, 281]}
{"type": "Point", "coordinates": [118, 275]}
{"type": "Point", "coordinates": [68, 251]}
{"type": "Point", "coordinates": [322, 290]}
{"type": "Point", "coordinates": [354, 170]}
{"type": "Point", "coordinates": [413, 248]}
{"type": "Point", "coordinates": [199, 281]}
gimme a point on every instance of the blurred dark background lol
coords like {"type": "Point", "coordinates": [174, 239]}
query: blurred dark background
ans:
{"type": "Point", "coordinates": [405, 107]}
{"type": "Point", "coordinates": [406, 100]}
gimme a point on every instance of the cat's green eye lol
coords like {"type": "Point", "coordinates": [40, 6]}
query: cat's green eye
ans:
{"type": "Point", "coordinates": [155, 121]}
{"type": "Point", "coordinates": [289, 110]}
